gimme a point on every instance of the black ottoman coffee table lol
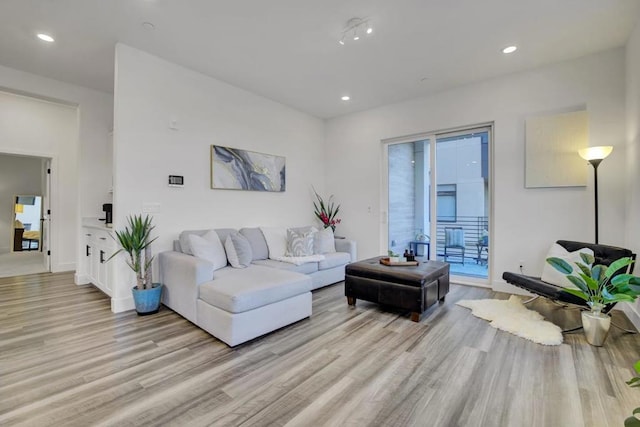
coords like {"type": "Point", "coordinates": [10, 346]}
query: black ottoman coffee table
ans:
{"type": "Point", "coordinates": [413, 288]}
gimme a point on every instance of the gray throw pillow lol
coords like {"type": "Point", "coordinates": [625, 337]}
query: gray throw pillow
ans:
{"type": "Point", "coordinates": [238, 250]}
{"type": "Point", "coordinates": [324, 242]}
{"type": "Point", "coordinates": [208, 247]}
{"type": "Point", "coordinates": [299, 243]}
{"type": "Point", "coordinates": [256, 240]}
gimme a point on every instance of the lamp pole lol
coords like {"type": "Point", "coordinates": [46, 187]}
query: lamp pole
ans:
{"type": "Point", "coordinates": [595, 163]}
{"type": "Point", "coordinates": [595, 155]}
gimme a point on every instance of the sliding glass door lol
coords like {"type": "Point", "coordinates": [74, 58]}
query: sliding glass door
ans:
{"type": "Point", "coordinates": [438, 199]}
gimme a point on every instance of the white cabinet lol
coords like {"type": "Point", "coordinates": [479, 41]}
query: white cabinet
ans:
{"type": "Point", "coordinates": [98, 247]}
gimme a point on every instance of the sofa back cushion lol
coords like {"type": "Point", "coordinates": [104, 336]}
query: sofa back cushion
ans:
{"type": "Point", "coordinates": [208, 247]}
{"type": "Point", "coordinates": [258, 244]}
{"type": "Point", "coordinates": [276, 238]}
{"type": "Point", "coordinates": [185, 245]}
{"type": "Point", "coordinates": [223, 233]}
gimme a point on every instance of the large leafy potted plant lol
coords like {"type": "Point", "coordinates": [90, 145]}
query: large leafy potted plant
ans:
{"type": "Point", "coordinates": [632, 421]}
{"type": "Point", "coordinates": [598, 285]}
{"type": "Point", "coordinates": [135, 240]}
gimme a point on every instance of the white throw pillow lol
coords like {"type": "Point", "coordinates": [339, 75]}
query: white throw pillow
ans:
{"type": "Point", "coordinates": [276, 238]}
{"type": "Point", "coordinates": [238, 250]}
{"type": "Point", "coordinates": [210, 248]}
{"type": "Point", "coordinates": [553, 276]}
{"type": "Point", "coordinates": [299, 243]}
{"type": "Point", "coordinates": [324, 242]}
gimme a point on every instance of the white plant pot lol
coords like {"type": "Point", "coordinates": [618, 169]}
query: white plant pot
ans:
{"type": "Point", "coordinates": [596, 327]}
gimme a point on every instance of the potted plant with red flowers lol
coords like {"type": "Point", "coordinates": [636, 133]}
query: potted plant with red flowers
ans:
{"type": "Point", "coordinates": [326, 212]}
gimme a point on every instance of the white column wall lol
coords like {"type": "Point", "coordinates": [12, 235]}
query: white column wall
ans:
{"type": "Point", "coordinates": [632, 229]}
{"type": "Point", "coordinates": [150, 94]}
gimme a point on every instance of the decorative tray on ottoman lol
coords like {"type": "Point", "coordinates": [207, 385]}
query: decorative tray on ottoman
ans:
{"type": "Point", "coordinates": [388, 262]}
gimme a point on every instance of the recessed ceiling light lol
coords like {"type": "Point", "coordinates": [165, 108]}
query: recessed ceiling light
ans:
{"type": "Point", "coordinates": [45, 37]}
{"type": "Point", "coordinates": [369, 30]}
{"type": "Point", "coordinates": [509, 49]}
{"type": "Point", "coordinates": [346, 98]}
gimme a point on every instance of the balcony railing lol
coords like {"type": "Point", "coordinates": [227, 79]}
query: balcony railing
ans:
{"type": "Point", "coordinates": [476, 236]}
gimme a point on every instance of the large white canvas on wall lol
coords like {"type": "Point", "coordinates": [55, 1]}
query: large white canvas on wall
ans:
{"type": "Point", "coordinates": [552, 144]}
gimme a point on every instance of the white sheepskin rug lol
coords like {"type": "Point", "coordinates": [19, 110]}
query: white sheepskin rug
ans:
{"type": "Point", "coordinates": [513, 317]}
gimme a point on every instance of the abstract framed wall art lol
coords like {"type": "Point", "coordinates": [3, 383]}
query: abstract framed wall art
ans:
{"type": "Point", "coordinates": [236, 169]}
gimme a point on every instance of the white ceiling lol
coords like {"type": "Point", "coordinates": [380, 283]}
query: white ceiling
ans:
{"type": "Point", "coordinates": [287, 50]}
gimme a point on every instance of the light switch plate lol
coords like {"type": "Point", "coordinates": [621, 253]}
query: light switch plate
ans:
{"type": "Point", "coordinates": [150, 207]}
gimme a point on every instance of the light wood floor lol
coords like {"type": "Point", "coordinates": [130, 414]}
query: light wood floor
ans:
{"type": "Point", "coordinates": [20, 263]}
{"type": "Point", "coordinates": [65, 359]}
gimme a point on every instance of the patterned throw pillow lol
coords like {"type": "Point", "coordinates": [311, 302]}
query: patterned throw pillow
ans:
{"type": "Point", "coordinates": [299, 243]}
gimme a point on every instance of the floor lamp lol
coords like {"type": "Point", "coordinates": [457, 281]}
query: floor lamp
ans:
{"type": "Point", "coordinates": [595, 155]}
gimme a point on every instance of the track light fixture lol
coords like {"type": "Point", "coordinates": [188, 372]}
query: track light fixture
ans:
{"type": "Point", "coordinates": [354, 29]}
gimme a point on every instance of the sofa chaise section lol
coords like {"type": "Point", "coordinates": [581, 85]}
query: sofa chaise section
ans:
{"type": "Point", "coordinates": [239, 305]}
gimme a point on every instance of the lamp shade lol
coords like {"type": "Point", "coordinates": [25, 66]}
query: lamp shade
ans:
{"type": "Point", "coordinates": [19, 208]}
{"type": "Point", "coordinates": [595, 153]}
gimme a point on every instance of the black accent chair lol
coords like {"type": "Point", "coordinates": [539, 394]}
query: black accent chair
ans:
{"type": "Point", "coordinates": [603, 254]}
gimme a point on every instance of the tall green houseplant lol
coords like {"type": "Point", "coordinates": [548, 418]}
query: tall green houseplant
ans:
{"type": "Point", "coordinates": [136, 241]}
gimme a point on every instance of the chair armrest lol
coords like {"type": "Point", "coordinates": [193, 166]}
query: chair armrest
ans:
{"type": "Point", "coordinates": [349, 246]}
{"type": "Point", "coordinates": [181, 275]}
{"type": "Point", "coordinates": [538, 287]}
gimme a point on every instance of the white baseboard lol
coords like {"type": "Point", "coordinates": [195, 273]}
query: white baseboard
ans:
{"type": "Point", "coordinates": [502, 286]}
{"type": "Point", "coordinates": [631, 313]}
{"type": "Point", "coordinates": [119, 305]}
{"type": "Point", "coordinates": [81, 279]}
{"type": "Point", "coordinates": [62, 267]}
{"type": "Point", "coordinates": [461, 281]}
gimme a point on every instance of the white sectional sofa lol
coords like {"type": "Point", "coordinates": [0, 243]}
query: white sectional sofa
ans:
{"type": "Point", "coordinates": [238, 304]}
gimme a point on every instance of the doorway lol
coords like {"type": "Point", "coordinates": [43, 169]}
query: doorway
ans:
{"type": "Point", "coordinates": [27, 228]}
{"type": "Point", "coordinates": [24, 223]}
{"type": "Point", "coordinates": [438, 199]}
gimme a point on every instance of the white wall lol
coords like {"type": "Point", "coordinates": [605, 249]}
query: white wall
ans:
{"type": "Point", "coordinates": [525, 221]}
{"type": "Point", "coordinates": [149, 94]}
{"type": "Point", "coordinates": [81, 175]}
{"type": "Point", "coordinates": [18, 176]}
{"type": "Point", "coordinates": [46, 129]}
{"type": "Point", "coordinates": [633, 155]}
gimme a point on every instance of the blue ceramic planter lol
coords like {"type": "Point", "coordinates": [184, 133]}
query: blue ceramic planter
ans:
{"type": "Point", "coordinates": [147, 301]}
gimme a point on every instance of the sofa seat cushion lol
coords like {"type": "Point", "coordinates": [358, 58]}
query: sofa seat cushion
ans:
{"type": "Point", "coordinates": [306, 268]}
{"type": "Point", "coordinates": [236, 291]}
{"type": "Point", "coordinates": [334, 259]}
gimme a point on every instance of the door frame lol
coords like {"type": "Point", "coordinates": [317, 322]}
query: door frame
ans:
{"type": "Point", "coordinates": [49, 161]}
{"type": "Point", "coordinates": [432, 136]}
